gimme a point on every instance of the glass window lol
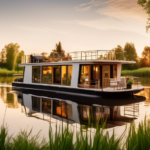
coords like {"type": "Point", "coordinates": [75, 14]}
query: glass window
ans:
{"type": "Point", "coordinates": [95, 72]}
{"type": "Point", "coordinates": [46, 105]}
{"type": "Point", "coordinates": [57, 75]}
{"type": "Point", "coordinates": [115, 71]}
{"type": "Point", "coordinates": [36, 74]}
{"type": "Point", "coordinates": [66, 75]}
{"type": "Point", "coordinates": [47, 74]}
{"type": "Point", "coordinates": [84, 77]}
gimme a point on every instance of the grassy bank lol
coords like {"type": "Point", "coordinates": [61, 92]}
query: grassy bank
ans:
{"type": "Point", "coordinates": [137, 139]}
{"type": "Point", "coordinates": [5, 72]}
{"type": "Point", "coordinates": [142, 72]}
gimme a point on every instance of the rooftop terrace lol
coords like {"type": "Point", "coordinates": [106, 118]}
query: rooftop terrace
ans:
{"type": "Point", "coordinates": [78, 56]}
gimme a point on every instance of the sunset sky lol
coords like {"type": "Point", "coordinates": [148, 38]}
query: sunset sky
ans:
{"type": "Point", "coordinates": [37, 25]}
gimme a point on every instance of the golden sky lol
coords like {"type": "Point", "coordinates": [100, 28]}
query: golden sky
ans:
{"type": "Point", "coordinates": [37, 25]}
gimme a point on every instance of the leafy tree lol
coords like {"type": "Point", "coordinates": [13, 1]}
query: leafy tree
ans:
{"type": "Point", "coordinates": [18, 61]}
{"type": "Point", "coordinates": [146, 6]}
{"type": "Point", "coordinates": [130, 52]}
{"type": "Point", "coordinates": [58, 52]}
{"type": "Point", "coordinates": [145, 60]}
{"type": "Point", "coordinates": [12, 51]}
{"type": "Point", "coordinates": [118, 52]}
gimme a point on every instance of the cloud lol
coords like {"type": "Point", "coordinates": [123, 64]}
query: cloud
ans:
{"type": "Point", "coordinates": [85, 6]}
{"type": "Point", "coordinates": [122, 9]}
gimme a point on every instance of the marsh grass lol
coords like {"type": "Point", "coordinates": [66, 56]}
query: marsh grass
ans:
{"type": "Point", "coordinates": [141, 72]}
{"type": "Point", "coordinates": [5, 72]}
{"type": "Point", "coordinates": [63, 139]}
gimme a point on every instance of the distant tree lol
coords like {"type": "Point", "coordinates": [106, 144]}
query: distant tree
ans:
{"type": "Point", "coordinates": [130, 55]}
{"type": "Point", "coordinates": [3, 56]}
{"type": "Point", "coordinates": [146, 6]}
{"type": "Point", "coordinates": [130, 52]}
{"type": "Point", "coordinates": [12, 51]}
{"type": "Point", "coordinates": [118, 52]}
{"type": "Point", "coordinates": [18, 60]}
{"type": "Point", "coordinates": [145, 60]}
{"type": "Point", "coordinates": [58, 52]}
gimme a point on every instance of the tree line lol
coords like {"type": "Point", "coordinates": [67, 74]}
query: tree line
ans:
{"type": "Point", "coordinates": [10, 57]}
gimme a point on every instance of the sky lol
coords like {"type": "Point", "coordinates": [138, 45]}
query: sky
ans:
{"type": "Point", "coordinates": [37, 25]}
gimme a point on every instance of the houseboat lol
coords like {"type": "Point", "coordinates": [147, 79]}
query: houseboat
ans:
{"type": "Point", "coordinates": [88, 72]}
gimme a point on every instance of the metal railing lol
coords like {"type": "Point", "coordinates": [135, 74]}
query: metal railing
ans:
{"type": "Point", "coordinates": [76, 56]}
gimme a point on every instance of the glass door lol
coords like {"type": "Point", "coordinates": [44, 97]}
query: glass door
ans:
{"type": "Point", "coordinates": [106, 75]}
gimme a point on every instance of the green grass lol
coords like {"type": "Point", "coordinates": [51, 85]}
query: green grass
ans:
{"type": "Point", "coordinates": [5, 72]}
{"type": "Point", "coordinates": [142, 72]}
{"type": "Point", "coordinates": [63, 139]}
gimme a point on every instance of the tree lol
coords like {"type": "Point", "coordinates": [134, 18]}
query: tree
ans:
{"type": "Point", "coordinates": [12, 51]}
{"type": "Point", "coordinates": [58, 52]}
{"type": "Point", "coordinates": [130, 55]}
{"type": "Point", "coordinates": [118, 52]}
{"type": "Point", "coordinates": [18, 60]}
{"type": "Point", "coordinates": [130, 52]}
{"type": "Point", "coordinates": [145, 60]}
{"type": "Point", "coordinates": [146, 6]}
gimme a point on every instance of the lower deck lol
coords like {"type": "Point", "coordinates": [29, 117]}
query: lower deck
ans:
{"type": "Point", "coordinates": [112, 92]}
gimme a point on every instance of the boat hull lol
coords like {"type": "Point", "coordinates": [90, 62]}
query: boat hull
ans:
{"type": "Point", "coordinates": [77, 91]}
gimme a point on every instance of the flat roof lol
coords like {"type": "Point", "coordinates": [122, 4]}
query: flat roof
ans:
{"type": "Point", "coordinates": [80, 62]}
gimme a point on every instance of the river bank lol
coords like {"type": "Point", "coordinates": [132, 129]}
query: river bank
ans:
{"type": "Point", "coordinates": [141, 72]}
{"type": "Point", "coordinates": [5, 72]}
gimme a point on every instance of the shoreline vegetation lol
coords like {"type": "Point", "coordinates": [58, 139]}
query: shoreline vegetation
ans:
{"type": "Point", "coordinates": [6, 72]}
{"type": "Point", "coordinates": [63, 138]}
{"type": "Point", "coordinates": [141, 72]}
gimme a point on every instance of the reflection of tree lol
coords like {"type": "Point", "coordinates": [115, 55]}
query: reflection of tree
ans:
{"type": "Point", "coordinates": [9, 98]}
{"type": "Point", "coordinates": [66, 79]}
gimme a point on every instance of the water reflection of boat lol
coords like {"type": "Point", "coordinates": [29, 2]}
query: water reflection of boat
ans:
{"type": "Point", "coordinates": [44, 107]}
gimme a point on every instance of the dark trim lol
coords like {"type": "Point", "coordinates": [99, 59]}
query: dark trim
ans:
{"type": "Point", "coordinates": [58, 89]}
{"type": "Point", "coordinates": [111, 71]}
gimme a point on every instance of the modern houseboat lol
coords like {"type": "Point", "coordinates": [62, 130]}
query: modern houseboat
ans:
{"type": "Point", "coordinates": [88, 72]}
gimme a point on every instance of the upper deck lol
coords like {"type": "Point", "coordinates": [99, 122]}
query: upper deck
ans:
{"type": "Point", "coordinates": [94, 56]}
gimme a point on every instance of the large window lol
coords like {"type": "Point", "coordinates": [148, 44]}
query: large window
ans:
{"type": "Point", "coordinates": [66, 75]}
{"type": "Point", "coordinates": [57, 74]}
{"type": "Point", "coordinates": [36, 74]}
{"type": "Point", "coordinates": [84, 77]}
{"type": "Point", "coordinates": [47, 74]}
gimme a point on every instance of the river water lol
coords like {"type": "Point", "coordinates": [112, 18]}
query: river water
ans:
{"type": "Point", "coordinates": [38, 111]}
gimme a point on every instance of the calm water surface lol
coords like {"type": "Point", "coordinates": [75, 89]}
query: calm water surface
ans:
{"type": "Point", "coordinates": [26, 110]}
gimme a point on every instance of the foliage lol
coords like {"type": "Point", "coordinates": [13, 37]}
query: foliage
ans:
{"type": "Point", "coordinates": [5, 72]}
{"type": "Point", "coordinates": [118, 52]}
{"type": "Point", "coordinates": [130, 52]}
{"type": "Point", "coordinates": [146, 6]}
{"type": "Point", "coordinates": [141, 72]}
{"type": "Point", "coordinates": [11, 56]}
{"type": "Point", "coordinates": [130, 82]}
{"type": "Point", "coordinates": [139, 139]}
{"type": "Point", "coordinates": [58, 52]}
{"type": "Point", "coordinates": [145, 60]}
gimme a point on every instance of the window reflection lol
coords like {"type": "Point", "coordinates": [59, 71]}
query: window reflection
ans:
{"type": "Point", "coordinates": [47, 74]}
{"type": "Point", "coordinates": [36, 103]}
{"type": "Point", "coordinates": [46, 105]}
{"type": "Point", "coordinates": [66, 75]}
{"type": "Point", "coordinates": [84, 74]}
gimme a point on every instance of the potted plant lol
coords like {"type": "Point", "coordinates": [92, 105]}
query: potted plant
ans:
{"type": "Point", "coordinates": [129, 83]}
